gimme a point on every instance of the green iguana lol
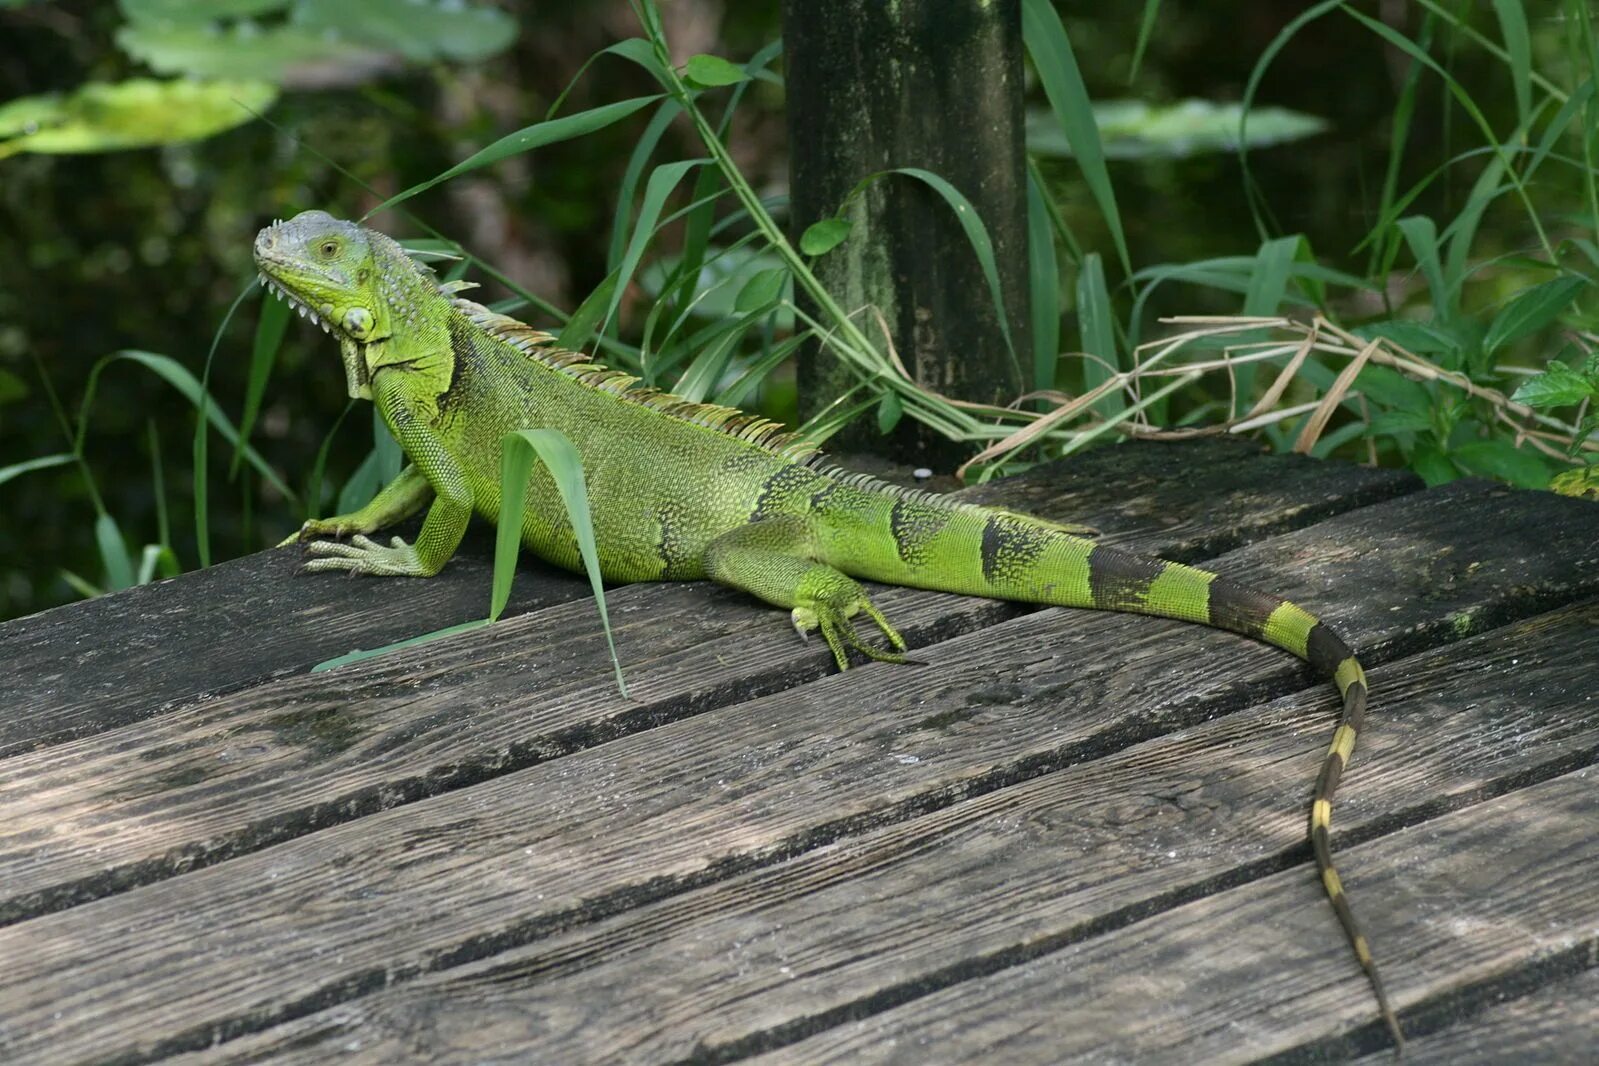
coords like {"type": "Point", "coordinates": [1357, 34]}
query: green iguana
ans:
{"type": "Point", "coordinates": [681, 490]}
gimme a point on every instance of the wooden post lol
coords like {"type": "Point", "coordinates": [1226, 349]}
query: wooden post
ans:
{"type": "Point", "coordinates": [936, 84]}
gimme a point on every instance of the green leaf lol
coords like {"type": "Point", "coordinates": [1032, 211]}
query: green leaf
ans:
{"type": "Point", "coordinates": [663, 180]}
{"type": "Point", "coordinates": [415, 29]}
{"type": "Point", "coordinates": [1503, 460]}
{"type": "Point", "coordinates": [1268, 282]}
{"type": "Point", "coordinates": [1422, 236]}
{"type": "Point", "coordinates": [822, 237]}
{"type": "Point", "coordinates": [560, 457]}
{"type": "Point", "coordinates": [113, 553]}
{"type": "Point", "coordinates": [1391, 389]}
{"type": "Point", "coordinates": [269, 330]}
{"type": "Point", "coordinates": [1433, 466]}
{"type": "Point", "coordinates": [131, 114]}
{"type": "Point", "coordinates": [194, 11]}
{"type": "Point", "coordinates": [1557, 386]}
{"type": "Point", "coordinates": [1417, 337]}
{"type": "Point", "coordinates": [1400, 422]}
{"type": "Point", "coordinates": [580, 327]}
{"type": "Point", "coordinates": [1135, 129]}
{"type": "Point", "coordinates": [1046, 41]}
{"type": "Point", "coordinates": [762, 289]}
{"type": "Point", "coordinates": [1096, 324]}
{"type": "Point", "coordinates": [1533, 309]}
{"type": "Point", "coordinates": [1518, 45]}
{"type": "Point", "coordinates": [528, 138]}
{"type": "Point", "coordinates": [889, 411]}
{"type": "Point", "coordinates": [713, 71]}
{"type": "Point", "coordinates": [44, 462]}
{"type": "Point", "coordinates": [409, 642]}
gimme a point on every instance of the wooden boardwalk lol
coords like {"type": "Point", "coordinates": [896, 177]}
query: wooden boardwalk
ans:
{"type": "Point", "coordinates": [1070, 836]}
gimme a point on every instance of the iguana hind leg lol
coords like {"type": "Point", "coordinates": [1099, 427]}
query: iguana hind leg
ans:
{"type": "Point", "coordinates": [774, 559]}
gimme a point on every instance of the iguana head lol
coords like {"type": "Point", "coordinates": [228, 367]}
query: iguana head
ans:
{"type": "Point", "coordinates": [354, 282]}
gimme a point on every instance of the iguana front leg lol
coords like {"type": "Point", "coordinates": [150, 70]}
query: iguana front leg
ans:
{"type": "Point", "coordinates": [401, 498]}
{"type": "Point", "coordinates": [774, 559]}
{"type": "Point", "coordinates": [446, 519]}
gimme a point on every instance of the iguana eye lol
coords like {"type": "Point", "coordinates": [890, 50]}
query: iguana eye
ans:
{"type": "Point", "coordinates": [328, 248]}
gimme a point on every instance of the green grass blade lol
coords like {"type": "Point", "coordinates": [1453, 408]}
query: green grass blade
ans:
{"type": "Point", "coordinates": [560, 457]}
{"type": "Point", "coordinates": [1046, 42]}
{"type": "Point", "coordinates": [200, 396]}
{"type": "Point", "coordinates": [1096, 325]}
{"type": "Point", "coordinates": [636, 162]}
{"type": "Point", "coordinates": [390, 458]}
{"type": "Point", "coordinates": [113, 553]}
{"type": "Point", "coordinates": [158, 487]}
{"type": "Point", "coordinates": [1146, 27]}
{"type": "Point", "coordinates": [1252, 193]}
{"type": "Point", "coordinates": [1043, 275]}
{"type": "Point", "coordinates": [368, 653]}
{"type": "Point", "coordinates": [1268, 282]}
{"type": "Point", "coordinates": [44, 462]}
{"type": "Point", "coordinates": [581, 326]}
{"type": "Point", "coordinates": [663, 180]}
{"type": "Point", "coordinates": [1422, 236]}
{"type": "Point", "coordinates": [319, 466]}
{"type": "Point", "coordinates": [525, 140]}
{"type": "Point", "coordinates": [178, 376]}
{"type": "Point", "coordinates": [1518, 44]}
{"type": "Point", "coordinates": [1532, 310]}
{"type": "Point", "coordinates": [977, 236]}
{"type": "Point", "coordinates": [269, 331]}
{"type": "Point", "coordinates": [363, 484]}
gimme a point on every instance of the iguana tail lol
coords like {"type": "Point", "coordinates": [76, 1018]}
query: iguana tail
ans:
{"type": "Point", "coordinates": [984, 552]}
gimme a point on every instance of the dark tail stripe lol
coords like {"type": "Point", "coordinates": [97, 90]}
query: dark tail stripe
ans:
{"type": "Point", "coordinates": [1120, 581]}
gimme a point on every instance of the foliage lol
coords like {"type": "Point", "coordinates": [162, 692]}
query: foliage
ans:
{"type": "Point", "coordinates": [1383, 286]}
{"type": "Point", "coordinates": [308, 43]}
{"type": "Point", "coordinates": [1136, 129]}
{"type": "Point", "coordinates": [130, 114]}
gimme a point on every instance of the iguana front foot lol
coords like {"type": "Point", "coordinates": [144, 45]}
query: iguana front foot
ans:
{"type": "Point", "coordinates": [363, 555]}
{"type": "Point", "coordinates": [833, 615]}
{"type": "Point", "coordinates": [339, 526]}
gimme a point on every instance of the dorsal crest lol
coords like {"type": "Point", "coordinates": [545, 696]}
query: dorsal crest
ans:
{"type": "Point", "coordinates": [539, 346]}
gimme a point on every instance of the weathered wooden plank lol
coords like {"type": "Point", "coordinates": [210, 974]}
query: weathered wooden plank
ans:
{"type": "Point", "coordinates": [1555, 1025]}
{"type": "Point", "coordinates": [91, 666]}
{"type": "Point", "coordinates": [1469, 900]}
{"type": "Point", "coordinates": [836, 934]}
{"type": "Point", "coordinates": [84, 819]}
{"type": "Point", "coordinates": [328, 916]}
{"type": "Point", "coordinates": [96, 665]}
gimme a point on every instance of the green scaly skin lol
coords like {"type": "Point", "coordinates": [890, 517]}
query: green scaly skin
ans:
{"type": "Point", "coordinates": [682, 491]}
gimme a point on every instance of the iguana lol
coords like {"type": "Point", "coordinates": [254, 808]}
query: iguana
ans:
{"type": "Point", "coordinates": [681, 490]}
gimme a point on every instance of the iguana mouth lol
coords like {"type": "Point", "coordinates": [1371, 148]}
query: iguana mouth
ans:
{"type": "Point", "coordinates": [295, 302]}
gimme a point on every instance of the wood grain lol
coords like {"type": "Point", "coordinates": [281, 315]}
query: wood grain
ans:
{"type": "Point", "coordinates": [1554, 1025]}
{"type": "Point", "coordinates": [1469, 899]}
{"type": "Point", "coordinates": [328, 916]}
{"type": "Point", "coordinates": [222, 777]}
{"type": "Point", "coordinates": [986, 884]}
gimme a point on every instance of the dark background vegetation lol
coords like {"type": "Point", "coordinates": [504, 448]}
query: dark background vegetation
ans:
{"type": "Point", "coordinates": [146, 249]}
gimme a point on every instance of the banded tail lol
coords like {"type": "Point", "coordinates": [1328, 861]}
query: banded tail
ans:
{"type": "Point", "coordinates": [1028, 559]}
{"type": "Point", "coordinates": [1122, 582]}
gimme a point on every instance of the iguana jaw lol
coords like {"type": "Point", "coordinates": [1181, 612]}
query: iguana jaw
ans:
{"type": "Point", "coordinates": [322, 268]}
{"type": "Point", "coordinates": [357, 378]}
